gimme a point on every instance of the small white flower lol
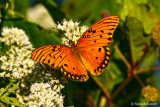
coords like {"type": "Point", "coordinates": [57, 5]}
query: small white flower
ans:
{"type": "Point", "coordinates": [83, 29]}
{"type": "Point", "coordinates": [44, 95]}
{"type": "Point", "coordinates": [3, 67]}
{"type": "Point", "coordinates": [17, 60]}
{"type": "Point", "coordinates": [2, 74]}
{"type": "Point", "coordinates": [7, 75]}
{"type": "Point", "coordinates": [71, 30]}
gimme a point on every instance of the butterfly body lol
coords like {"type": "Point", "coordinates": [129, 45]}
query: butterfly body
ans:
{"type": "Point", "coordinates": [91, 53]}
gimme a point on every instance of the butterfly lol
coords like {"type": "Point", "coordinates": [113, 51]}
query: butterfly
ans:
{"type": "Point", "coordinates": [91, 53]}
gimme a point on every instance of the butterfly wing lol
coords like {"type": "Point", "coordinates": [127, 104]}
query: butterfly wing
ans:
{"type": "Point", "coordinates": [95, 59]}
{"type": "Point", "coordinates": [61, 57]}
{"type": "Point", "coordinates": [93, 44]}
{"type": "Point", "coordinates": [100, 34]}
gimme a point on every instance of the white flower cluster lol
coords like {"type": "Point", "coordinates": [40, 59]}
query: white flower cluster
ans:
{"type": "Point", "coordinates": [46, 95]}
{"type": "Point", "coordinates": [16, 62]}
{"type": "Point", "coordinates": [15, 36]}
{"type": "Point", "coordinates": [72, 31]}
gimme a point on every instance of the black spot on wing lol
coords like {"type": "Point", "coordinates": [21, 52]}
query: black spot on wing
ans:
{"type": "Point", "coordinates": [110, 38]}
{"type": "Point", "coordinates": [104, 63]}
{"type": "Point", "coordinates": [66, 65]}
{"type": "Point", "coordinates": [99, 49]}
{"type": "Point", "coordinates": [94, 31]}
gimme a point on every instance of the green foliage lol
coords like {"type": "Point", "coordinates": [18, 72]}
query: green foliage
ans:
{"type": "Point", "coordinates": [5, 92]}
{"type": "Point", "coordinates": [135, 33]}
{"type": "Point", "coordinates": [146, 15]}
{"type": "Point", "coordinates": [134, 50]}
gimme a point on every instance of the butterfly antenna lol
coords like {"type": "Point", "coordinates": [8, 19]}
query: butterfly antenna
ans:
{"type": "Point", "coordinates": [43, 65]}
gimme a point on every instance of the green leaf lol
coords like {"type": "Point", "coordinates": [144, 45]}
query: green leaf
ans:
{"type": "Point", "coordinates": [14, 101]}
{"type": "Point", "coordinates": [20, 7]}
{"type": "Point", "coordinates": [156, 5]}
{"type": "Point", "coordinates": [150, 59]}
{"type": "Point", "coordinates": [5, 100]}
{"type": "Point", "coordinates": [128, 5]}
{"type": "Point", "coordinates": [2, 90]}
{"type": "Point", "coordinates": [137, 40]}
{"type": "Point", "coordinates": [89, 12]}
{"type": "Point", "coordinates": [95, 95]}
{"type": "Point", "coordinates": [14, 87]}
{"type": "Point", "coordinates": [111, 76]}
{"type": "Point", "coordinates": [4, 4]}
{"type": "Point", "coordinates": [9, 100]}
{"type": "Point", "coordinates": [51, 2]}
{"type": "Point", "coordinates": [146, 14]}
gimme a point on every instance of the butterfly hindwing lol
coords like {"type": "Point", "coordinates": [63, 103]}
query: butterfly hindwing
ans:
{"type": "Point", "coordinates": [95, 58]}
{"type": "Point", "coordinates": [61, 57]}
{"type": "Point", "coordinates": [74, 68]}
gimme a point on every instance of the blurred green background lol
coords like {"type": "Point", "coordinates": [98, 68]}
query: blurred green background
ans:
{"type": "Point", "coordinates": [135, 60]}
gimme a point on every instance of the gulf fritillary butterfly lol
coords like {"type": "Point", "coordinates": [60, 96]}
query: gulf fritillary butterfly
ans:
{"type": "Point", "coordinates": [90, 53]}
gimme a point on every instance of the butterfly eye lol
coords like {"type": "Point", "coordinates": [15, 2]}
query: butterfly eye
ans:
{"type": "Point", "coordinates": [84, 36]}
{"type": "Point", "coordinates": [88, 36]}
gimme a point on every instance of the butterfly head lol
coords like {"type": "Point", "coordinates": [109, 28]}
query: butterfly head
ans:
{"type": "Point", "coordinates": [71, 43]}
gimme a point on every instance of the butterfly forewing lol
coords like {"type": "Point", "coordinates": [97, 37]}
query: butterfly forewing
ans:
{"type": "Point", "coordinates": [100, 34]}
{"type": "Point", "coordinates": [52, 55]}
{"type": "Point", "coordinates": [61, 57]}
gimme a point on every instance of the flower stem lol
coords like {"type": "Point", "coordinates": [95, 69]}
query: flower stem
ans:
{"type": "Point", "coordinates": [114, 95]}
{"type": "Point", "coordinates": [122, 56]}
{"type": "Point", "coordinates": [105, 92]}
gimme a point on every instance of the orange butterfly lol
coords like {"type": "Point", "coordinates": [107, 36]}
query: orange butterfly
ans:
{"type": "Point", "coordinates": [90, 53]}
